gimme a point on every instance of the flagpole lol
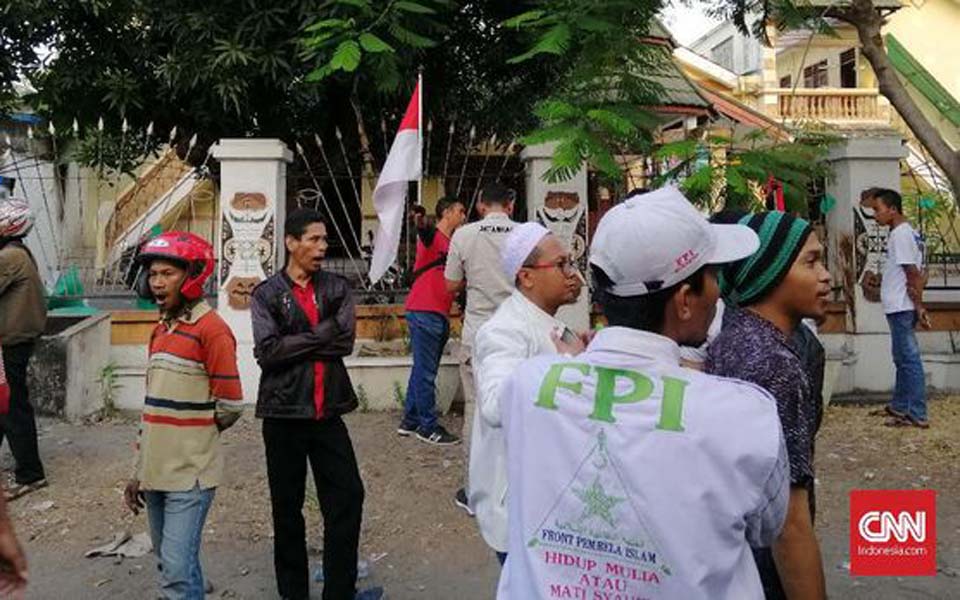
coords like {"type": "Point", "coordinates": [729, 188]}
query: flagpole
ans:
{"type": "Point", "coordinates": [420, 134]}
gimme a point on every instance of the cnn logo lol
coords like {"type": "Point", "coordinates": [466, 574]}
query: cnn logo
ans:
{"type": "Point", "coordinates": [893, 532]}
{"type": "Point", "coordinates": [880, 526]}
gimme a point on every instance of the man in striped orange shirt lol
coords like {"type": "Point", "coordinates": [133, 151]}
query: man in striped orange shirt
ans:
{"type": "Point", "coordinates": [193, 393]}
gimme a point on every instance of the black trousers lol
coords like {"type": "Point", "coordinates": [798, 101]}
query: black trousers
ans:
{"type": "Point", "coordinates": [290, 443]}
{"type": "Point", "coordinates": [19, 426]}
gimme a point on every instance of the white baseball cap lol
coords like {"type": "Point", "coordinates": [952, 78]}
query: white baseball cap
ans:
{"type": "Point", "coordinates": [518, 246]}
{"type": "Point", "coordinates": [653, 241]}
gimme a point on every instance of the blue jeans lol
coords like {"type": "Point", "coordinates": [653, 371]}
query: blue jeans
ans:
{"type": "Point", "coordinates": [910, 391]}
{"type": "Point", "coordinates": [428, 336]}
{"type": "Point", "coordinates": [176, 526]}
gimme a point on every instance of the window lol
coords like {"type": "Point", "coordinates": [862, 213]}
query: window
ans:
{"type": "Point", "coordinates": [815, 76]}
{"type": "Point", "coordinates": [848, 68]}
{"type": "Point", "coordinates": [786, 82]}
{"type": "Point", "coordinates": [722, 53]}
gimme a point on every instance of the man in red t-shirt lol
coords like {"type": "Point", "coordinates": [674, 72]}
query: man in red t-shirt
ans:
{"type": "Point", "coordinates": [427, 311]}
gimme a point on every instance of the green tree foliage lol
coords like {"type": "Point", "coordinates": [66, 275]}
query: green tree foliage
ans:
{"type": "Point", "coordinates": [593, 113]}
{"type": "Point", "coordinates": [732, 170]}
{"type": "Point", "coordinates": [355, 31]}
{"type": "Point", "coordinates": [574, 72]}
{"type": "Point", "coordinates": [225, 68]}
{"type": "Point", "coordinates": [290, 69]}
{"type": "Point", "coordinates": [24, 26]}
{"type": "Point", "coordinates": [751, 16]}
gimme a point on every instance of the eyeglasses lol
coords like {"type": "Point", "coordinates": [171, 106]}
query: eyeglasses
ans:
{"type": "Point", "coordinates": [566, 266]}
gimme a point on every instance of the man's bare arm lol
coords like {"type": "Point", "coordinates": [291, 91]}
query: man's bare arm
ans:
{"type": "Point", "coordinates": [797, 552]}
{"type": "Point", "coordinates": [915, 284]}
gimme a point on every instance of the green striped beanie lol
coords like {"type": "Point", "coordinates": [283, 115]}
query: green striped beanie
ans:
{"type": "Point", "coordinates": [781, 237]}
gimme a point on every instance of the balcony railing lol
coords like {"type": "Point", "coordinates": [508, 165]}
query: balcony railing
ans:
{"type": "Point", "coordinates": [832, 105]}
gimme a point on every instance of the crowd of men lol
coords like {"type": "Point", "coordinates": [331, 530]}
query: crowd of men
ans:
{"type": "Point", "coordinates": [720, 406]}
{"type": "Point", "coordinates": [669, 454]}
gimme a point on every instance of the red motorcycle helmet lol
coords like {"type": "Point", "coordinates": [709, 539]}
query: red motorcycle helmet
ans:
{"type": "Point", "coordinates": [191, 251]}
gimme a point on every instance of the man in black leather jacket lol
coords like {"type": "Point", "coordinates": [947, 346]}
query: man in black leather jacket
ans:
{"type": "Point", "coordinates": [303, 326]}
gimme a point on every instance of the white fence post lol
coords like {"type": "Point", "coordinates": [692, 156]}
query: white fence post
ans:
{"type": "Point", "coordinates": [253, 177]}
{"type": "Point", "coordinates": [562, 208]}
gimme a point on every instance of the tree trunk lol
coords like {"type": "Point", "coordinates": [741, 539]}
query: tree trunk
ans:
{"type": "Point", "coordinates": [864, 17]}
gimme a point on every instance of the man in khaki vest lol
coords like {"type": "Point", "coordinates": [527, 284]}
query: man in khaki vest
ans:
{"type": "Point", "coordinates": [473, 264]}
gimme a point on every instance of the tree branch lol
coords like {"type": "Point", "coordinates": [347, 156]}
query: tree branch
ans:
{"type": "Point", "coordinates": [864, 17]}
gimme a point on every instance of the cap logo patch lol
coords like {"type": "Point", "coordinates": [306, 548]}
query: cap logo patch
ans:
{"type": "Point", "coordinates": [158, 244]}
{"type": "Point", "coordinates": [685, 259]}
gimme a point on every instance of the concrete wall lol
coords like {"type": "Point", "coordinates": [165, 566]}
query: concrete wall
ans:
{"type": "Point", "coordinates": [66, 368]}
{"type": "Point", "coordinates": [863, 363]}
{"type": "Point", "coordinates": [928, 30]}
{"type": "Point", "coordinates": [791, 61]}
{"type": "Point", "coordinates": [131, 368]}
{"type": "Point", "coordinates": [746, 50]}
{"type": "Point", "coordinates": [381, 383]}
{"type": "Point", "coordinates": [378, 381]}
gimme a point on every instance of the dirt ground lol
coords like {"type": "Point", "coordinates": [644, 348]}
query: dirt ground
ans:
{"type": "Point", "coordinates": [417, 543]}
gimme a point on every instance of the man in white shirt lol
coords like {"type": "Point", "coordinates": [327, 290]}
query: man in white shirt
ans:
{"type": "Point", "coordinates": [473, 263]}
{"type": "Point", "coordinates": [629, 475]}
{"type": "Point", "coordinates": [524, 326]}
{"type": "Point", "coordinates": [901, 293]}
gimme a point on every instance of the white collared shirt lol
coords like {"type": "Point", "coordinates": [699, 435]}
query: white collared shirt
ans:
{"type": "Point", "coordinates": [631, 474]}
{"type": "Point", "coordinates": [517, 331]}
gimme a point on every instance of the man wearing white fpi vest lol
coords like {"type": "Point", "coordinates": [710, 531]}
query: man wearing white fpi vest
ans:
{"type": "Point", "coordinates": [629, 475]}
{"type": "Point", "coordinates": [525, 325]}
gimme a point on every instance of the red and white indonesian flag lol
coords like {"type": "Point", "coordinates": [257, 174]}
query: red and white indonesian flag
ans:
{"type": "Point", "coordinates": [404, 164]}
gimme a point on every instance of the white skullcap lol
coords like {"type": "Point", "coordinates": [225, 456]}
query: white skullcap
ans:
{"type": "Point", "coordinates": [518, 246]}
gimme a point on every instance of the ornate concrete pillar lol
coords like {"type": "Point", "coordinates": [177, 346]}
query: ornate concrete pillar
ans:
{"type": "Point", "coordinates": [855, 246]}
{"type": "Point", "coordinates": [249, 242]}
{"type": "Point", "coordinates": [562, 208]}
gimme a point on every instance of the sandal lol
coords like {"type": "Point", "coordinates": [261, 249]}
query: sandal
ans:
{"type": "Point", "coordinates": [924, 424]}
{"type": "Point", "coordinates": [894, 413]}
{"type": "Point", "coordinates": [898, 422]}
{"type": "Point", "coordinates": [888, 411]}
{"type": "Point", "coordinates": [22, 489]}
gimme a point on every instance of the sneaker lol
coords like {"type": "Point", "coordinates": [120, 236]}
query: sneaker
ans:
{"type": "Point", "coordinates": [439, 437]}
{"type": "Point", "coordinates": [406, 430]}
{"type": "Point", "coordinates": [460, 499]}
{"type": "Point", "coordinates": [22, 489]}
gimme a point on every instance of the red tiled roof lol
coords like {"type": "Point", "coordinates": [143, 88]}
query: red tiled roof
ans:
{"type": "Point", "coordinates": [741, 113]}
